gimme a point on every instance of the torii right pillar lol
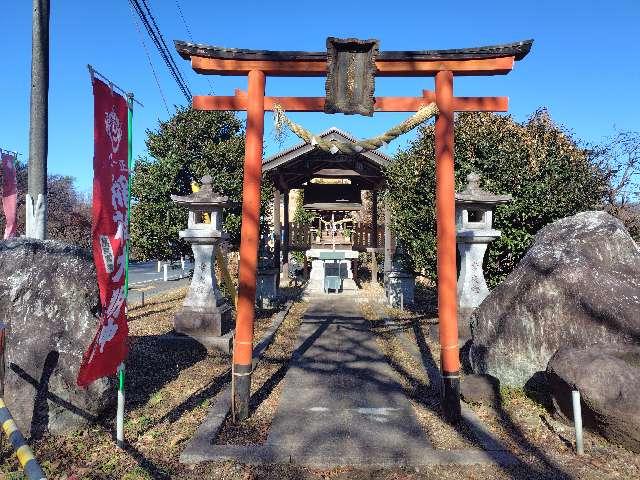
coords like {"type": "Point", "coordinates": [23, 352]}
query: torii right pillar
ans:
{"type": "Point", "coordinates": [446, 242]}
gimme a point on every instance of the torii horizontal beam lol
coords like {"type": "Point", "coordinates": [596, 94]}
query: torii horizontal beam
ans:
{"type": "Point", "coordinates": [485, 60]}
{"type": "Point", "coordinates": [385, 68]}
{"type": "Point", "coordinates": [238, 102]}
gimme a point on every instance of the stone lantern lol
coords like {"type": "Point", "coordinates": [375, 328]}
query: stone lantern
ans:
{"type": "Point", "coordinates": [474, 224]}
{"type": "Point", "coordinates": [205, 315]}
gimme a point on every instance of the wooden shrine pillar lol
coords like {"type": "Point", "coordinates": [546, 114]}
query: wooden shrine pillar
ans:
{"type": "Point", "coordinates": [374, 218]}
{"type": "Point", "coordinates": [446, 245]}
{"type": "Point", "coordinates": [374, 266]}
{"type": "Point", "coordinates": [388, 248]}
{"type": "Point", "coordinates": [277, 232]}
{"type": "Point", "coordinates": [250, 233]}
{"type": "Point", "coordinates": [374, 235]}
{"type": "Point", "coordinates": [285, 238]}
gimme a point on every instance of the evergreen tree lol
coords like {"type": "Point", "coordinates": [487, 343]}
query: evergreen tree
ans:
{"type": "Point", "coordinates": [183, 149]}
{"type": "Point", "coordinates": [538, 162]}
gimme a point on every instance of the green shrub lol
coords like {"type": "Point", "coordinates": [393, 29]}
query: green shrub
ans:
{"type": "Point", "coordinates": [184, 148]}
{"type": "Point", "coordinates": [538, 162]}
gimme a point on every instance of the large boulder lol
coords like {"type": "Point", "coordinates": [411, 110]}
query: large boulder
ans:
{"type": "Point", "coordinates": [608, 378]}
{"type": "Point", "coordinates": [579, 284]}
{"type": "Point", "coordinates": [49, 299]}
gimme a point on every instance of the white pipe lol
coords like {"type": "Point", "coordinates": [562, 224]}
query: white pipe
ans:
{"type": "Point", "coordinates": [401, 300]}
{"type": "Point", "coordinates": [166, 274]}
{"type": "Point", "coordinates": [159, 265]}
{"type": "Point", "coordinates": [120, 413]}
{"type": "Point", "coordinates": [577, 420]}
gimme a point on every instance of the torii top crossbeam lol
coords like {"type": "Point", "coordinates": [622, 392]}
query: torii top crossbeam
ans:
{"type": "Point", "coordinates": [489, 60]}
{"type": "Point", "coordinates": [444, 65]}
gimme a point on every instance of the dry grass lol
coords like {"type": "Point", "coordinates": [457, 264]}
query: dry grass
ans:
{"type": "Point", "coordinates": [521, 423]}
{"type": "Point", "coordinates": [422, 392]}
{"type": "Point", "coordinates": [266, 385]}
{"type": "Point", "coordinates": [170, 384]}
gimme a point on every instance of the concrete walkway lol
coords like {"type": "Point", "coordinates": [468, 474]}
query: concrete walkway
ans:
{"type": "Point", "coordinates": [340, 398]}
{"type": "Point", "coordinates": [341, 405]}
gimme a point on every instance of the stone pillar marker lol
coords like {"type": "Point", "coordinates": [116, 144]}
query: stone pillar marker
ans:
{"type": "Point", "coordinates": [205, 315]}
{"type": "Point", "coordinates": [285, 239]}
{"type": "Point", "coordinates": [474, 224]}
{"type": "Point", "coordinates": [267, 280]}
{"type": "Point", "coordinates": [401, 282]}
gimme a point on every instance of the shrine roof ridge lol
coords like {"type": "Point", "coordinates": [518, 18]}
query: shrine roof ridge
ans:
{"type": "Point", "coordinates": [518, 50]}
{"type": "Point", "coordinates": [383, 158]}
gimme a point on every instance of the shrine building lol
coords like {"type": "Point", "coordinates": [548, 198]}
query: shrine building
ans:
{"type": "Point", "coordinates": [332, 186]}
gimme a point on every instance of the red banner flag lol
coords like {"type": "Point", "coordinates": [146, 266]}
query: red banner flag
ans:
{"type": "Point", "coordinates": [109, 232]}
{"type": "Point", "coordinates": [9, 194]}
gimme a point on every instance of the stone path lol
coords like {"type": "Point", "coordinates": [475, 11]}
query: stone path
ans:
{"type": "Point", "coordinates": [340, 405]}
{"type": "Point", "coordinates": [340, 397]}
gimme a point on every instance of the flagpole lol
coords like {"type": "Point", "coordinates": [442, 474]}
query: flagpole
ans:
{"type": "Point", "coordinates": [120, 441]}
{"type": "Point", "coordinates": [121, 369]}
{"type": "Point", "coordinates": [94, 73]}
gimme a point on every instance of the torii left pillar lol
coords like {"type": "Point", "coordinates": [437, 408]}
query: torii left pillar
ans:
{"type": "Point", "coordinates": [249, 236]}
{"type": "Point", "coordinates": [446, 241]}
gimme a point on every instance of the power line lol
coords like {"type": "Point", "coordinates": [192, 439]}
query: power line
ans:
{"type": "Point", "coordinates": [184, 21]}
{"type": "Point", "coordinates": [156, 36]}
{"type": "Point", "coordinates": [164, 54]}
{"type": "Point", "coordinates": [153, 70]}
{"type": "Point", "coordinates": [186, 27]}
{"type": "Point", "coordinates": [164, 44]}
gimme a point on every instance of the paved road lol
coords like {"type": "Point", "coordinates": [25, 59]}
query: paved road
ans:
{"type": "Point", "coordinates": [145, 275]}
{"type": "Point", "coordinates": [340, 395]}
{"type": "Point", "coordinates": [142, 272]}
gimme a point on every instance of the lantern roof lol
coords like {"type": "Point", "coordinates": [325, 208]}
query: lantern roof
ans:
{"type": "Point", "coordinates": [474, 194]}
{"type": "Point", "coordinates": [204, 198]}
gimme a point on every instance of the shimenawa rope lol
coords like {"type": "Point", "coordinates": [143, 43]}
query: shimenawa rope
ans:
{"type": "Point", "coordinates": [423, 114]}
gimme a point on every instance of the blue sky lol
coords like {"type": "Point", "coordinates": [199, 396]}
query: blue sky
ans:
{"type": "Point", "coordinates": [584, 65]}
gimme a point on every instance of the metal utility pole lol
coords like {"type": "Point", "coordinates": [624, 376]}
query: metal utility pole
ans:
{"type": "Point", "coordinates": [38, 127]}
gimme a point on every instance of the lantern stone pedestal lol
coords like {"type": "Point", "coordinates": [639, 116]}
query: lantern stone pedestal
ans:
{"type": "Point", "coordinates": [472, 286]}
{"type": "Point", "coordinates": [205, 316]}
{"type": "Point", "coordinates": [474, 222]}
{"type": "Point", "coordinates": [267, 275]}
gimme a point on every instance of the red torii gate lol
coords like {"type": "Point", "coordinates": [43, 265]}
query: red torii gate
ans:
{"type": "Point", "coordinates": [443, 64]}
